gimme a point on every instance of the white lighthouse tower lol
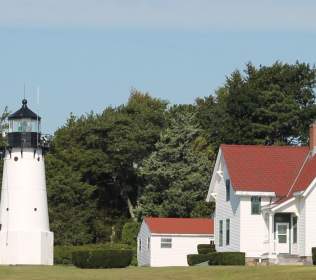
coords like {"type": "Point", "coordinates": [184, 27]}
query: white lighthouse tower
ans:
{"type": "Point", "coordinates": [24, 226]}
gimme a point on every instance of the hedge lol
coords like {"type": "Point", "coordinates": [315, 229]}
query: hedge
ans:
{"type": "Point", "coordinates": [227, 258]}
{"type": "Point", "coordinates": [102, 258]}
{"type": "Point", "coordinates": [63, 254]}
{"type": "Point", "coordinates": [314, 255]}
{"type": "Point", "coordinates": [206, 248]}
{"type": "Point", "coordinates": [194, 259]}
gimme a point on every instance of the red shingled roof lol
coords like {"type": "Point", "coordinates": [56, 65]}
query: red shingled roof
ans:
{"type": "Point", "coordinates": [306, 176]}
{"type": "Point", "coordinates": [180, 225]}
{"type": "Point", "coordinates": [268, 168]}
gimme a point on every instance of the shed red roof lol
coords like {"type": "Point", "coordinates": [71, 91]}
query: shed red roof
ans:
{"type": "Point", "coordinates": [278, 169]}
{"type": "Point", "coordinates": [180, 225]}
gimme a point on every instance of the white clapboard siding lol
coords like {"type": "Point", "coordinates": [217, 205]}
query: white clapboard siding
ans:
{"type": "Point", "coordinates": [310, 224]}
{"type": "Point", "coordinates": [143, 253]}
{"type": "Point", "coordinates": [226, 210]}
{"type": "Point", "coordinates": [253, 229]}
{"type": "Point", "coordinates": [182, 246]}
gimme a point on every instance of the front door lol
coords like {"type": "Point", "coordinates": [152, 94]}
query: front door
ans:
{"type": "Point", "coordinates": [282, 238]}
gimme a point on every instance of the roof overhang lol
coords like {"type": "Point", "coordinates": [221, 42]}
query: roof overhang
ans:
{"type": "Point", "coordinates": [276, 207]}
{"type": "Point", "coordinates": [254, 193]}
{"type": "Point", "coordinates": [183, 234]}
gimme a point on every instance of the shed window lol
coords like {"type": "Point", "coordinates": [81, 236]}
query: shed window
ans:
{"type": "Point", "coordinates": [255, 205]}
{"type": "Point", "coordinates": [227, 190]}
{"type": "Point", "coordinates": [220, 233]}
{"type": "Point", "coordinates": [166, 243]}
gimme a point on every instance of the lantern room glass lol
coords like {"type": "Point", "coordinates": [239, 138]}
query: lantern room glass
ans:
{"type": "Point", "coordinates": [24, 125]}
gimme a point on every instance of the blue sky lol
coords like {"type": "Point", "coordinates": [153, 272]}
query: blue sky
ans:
{"type": "Point", "coordinates": [88, 54]}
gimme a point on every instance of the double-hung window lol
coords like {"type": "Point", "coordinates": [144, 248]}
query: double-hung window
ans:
{"type": "Point", "coordinates": [255, 205]}
{"type": "Point", "coordinates": [227, 190]}
{"type": "Point", "coordinates": [220, 233]}
{"type": "Point", "coordinates": [227, 232]}
{"type": "Point", "coordinates": [148, 243]}
{"type": "Point", "coordinates": [166, 243]}
{"type": "Point", "coordinates": [294, 230]}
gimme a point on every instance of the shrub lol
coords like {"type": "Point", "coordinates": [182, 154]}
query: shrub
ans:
{"type": "Point", "coordinates": [206, 248]}
{"type": "Point", "coordinates": [129, 233]}
{"type": "Point", "coordinates": [227, 258]}
{"type": "Point", "coordinates": [102, 258]}
{"type": "Point", "coordinates": [196, 259]}
{"type": "Point", "coordinates": [314, 255]}
{"type": "Point", "coordinates": [63, 254]}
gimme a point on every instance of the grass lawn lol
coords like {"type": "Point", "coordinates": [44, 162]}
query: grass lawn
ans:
{"type": "Point", "coordinates": [196, 273]}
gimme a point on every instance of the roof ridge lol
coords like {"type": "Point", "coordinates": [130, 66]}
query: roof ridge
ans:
{"type": "Point", "coordinates": [263, 146]}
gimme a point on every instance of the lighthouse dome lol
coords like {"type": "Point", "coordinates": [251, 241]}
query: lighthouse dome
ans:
{"type": "Point", "coordinates": [24, 128]}
{"type": "Point", "coordinates": [24, 113]}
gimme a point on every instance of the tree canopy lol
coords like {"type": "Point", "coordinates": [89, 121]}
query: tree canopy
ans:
{"type": "Point", "coordinates": [147, 157]}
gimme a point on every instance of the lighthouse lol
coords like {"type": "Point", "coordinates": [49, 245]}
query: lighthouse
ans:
{"type": "Point", "coordinates": [25, 237]}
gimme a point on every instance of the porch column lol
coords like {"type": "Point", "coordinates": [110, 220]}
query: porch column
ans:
{"type": "Point", "coordinates": [271, 233]}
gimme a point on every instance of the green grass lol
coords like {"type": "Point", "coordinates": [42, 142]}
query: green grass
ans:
{"type": "Point", "coordinates": [190, 273]}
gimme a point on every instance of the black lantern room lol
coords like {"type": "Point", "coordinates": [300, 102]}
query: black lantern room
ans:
{"type": "Point", "coordinates": [24, 128]}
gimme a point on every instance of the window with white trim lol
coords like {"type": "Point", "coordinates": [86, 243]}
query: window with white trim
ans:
{"type": "Point", "coordinates": [139, 244]}
{"type": "Point", "coordinates": [255, 205]}
{"type": "Point", "coordinates": [227, 190]}
{"type": "Point", "coordinates": [148, 243]}
{"type": "Point", "coordinates": [294, 230]}
{"type": "Point", "coordinates": [227, 232]}
{"type": "Point", "coordinates": [166, 243]}
{"type": "Point", "coordinates": [220, 233]}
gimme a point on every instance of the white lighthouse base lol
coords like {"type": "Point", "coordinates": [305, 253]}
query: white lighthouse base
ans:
{"type": "Point", "coordinates": [26, 248]}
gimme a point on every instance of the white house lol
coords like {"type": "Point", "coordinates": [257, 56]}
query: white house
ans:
{"type": "Point", "coordinates": [168, 241]}
{"type": "Point", "coordinates": [265, 200]}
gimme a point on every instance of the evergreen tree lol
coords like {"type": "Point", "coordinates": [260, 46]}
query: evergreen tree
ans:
{"type": "Point", "coordinates": [177, 174]}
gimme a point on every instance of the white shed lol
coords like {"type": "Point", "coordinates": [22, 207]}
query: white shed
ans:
{"type": "Point", "coordinates": [168, 241]}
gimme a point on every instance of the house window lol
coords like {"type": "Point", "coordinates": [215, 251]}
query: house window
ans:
{"type": "Point", "coordinates": [166, 243]}
{"type": "Point", "coordinates": [220, 233]}
{"type": "Point", "coordinates": [212, 242]}
{"type": "Point", "coordinates": [227, 232]}
{"type": "Point", "coordinates": [255, 205]}
{"type": "Point", "coordinates": [139, 244]}
{"type": "Point", "coordinates": [294, 230]}
{"type": "Point", "coordinates": [227, 190]}
{"type": "Point", "coordinates": [148, 243]}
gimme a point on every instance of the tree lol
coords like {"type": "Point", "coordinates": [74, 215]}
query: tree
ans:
{"type": "Point", "coordinates": [3, 129]}
{"type": "Point", "coordinates": [72, 209]}
{"type": "Point", "coordinates": [177, 174]}
{"type": "Point", "coordinates": [102, 152]}
{"type": "Point", "coordinates": [267, 105]}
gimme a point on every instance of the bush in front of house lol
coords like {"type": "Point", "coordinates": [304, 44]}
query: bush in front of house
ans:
{"type": "Point", "coordinates": [227, 258]}
{"type": "Point", "coordinates": [102, 258]}
{"type": "Point", "coordinates": [206, 248]}
{"type": "Point", "coordinates": [314, 255]}
{"type": "Point", "coordinates": [63, 254]}
{"type": "Point", "coordinates": [195, 259]}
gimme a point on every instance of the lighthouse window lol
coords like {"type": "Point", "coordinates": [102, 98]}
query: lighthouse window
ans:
{"type": "Point", "coordinates": [7, 209]}
{"type": "Point", "coordinates": [24, 125]}
{"type": "Point", "coordinates": [35, 209]}
{"type": "Point", "coordinates": [16, 158]}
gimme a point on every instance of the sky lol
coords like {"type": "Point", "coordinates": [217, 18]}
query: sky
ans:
{"type": "Point", "coordinates": [85, 55]}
